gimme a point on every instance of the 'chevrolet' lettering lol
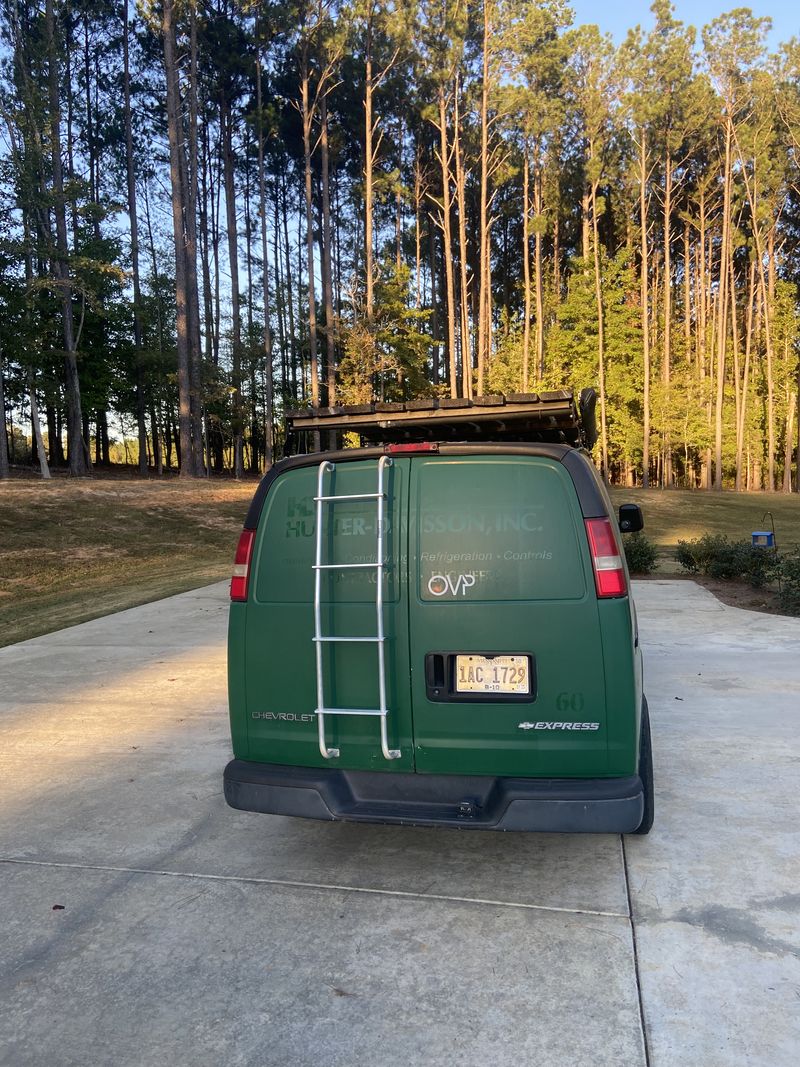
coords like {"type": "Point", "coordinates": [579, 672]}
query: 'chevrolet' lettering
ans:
{"type": "Point", "coordinates": [283, 716]}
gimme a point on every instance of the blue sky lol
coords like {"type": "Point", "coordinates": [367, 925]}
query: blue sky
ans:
{"type": "Point", "coordinates": [617, 18]}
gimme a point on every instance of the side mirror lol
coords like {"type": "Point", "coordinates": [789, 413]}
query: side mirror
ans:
{"type": "Point", "coordinates": [630, 518]}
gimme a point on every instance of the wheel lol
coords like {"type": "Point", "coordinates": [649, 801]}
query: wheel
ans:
{"type": "Point", "coordinates": [646, 771]}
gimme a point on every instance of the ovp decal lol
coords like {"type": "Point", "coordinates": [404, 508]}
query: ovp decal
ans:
{"type": "Point", "coordinates": [442, 584]}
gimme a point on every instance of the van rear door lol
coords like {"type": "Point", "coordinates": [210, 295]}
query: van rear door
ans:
{"type": "Point", "coordinates": [506, 654]}
{"type": "Point", "coordinates": [280, 665]}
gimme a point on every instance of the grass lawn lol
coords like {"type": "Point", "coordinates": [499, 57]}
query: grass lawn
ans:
{"type": "Point", "coordinates": [672, 515]}
{"type": "Point", "coordinates": [75, 550]}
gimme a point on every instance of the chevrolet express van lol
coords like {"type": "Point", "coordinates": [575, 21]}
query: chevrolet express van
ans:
{"type": "Point", "coordinates": [440, 632]}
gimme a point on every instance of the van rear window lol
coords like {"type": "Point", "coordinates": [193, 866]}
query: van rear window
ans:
{"type": "Point", "coordinates": [497, 529]}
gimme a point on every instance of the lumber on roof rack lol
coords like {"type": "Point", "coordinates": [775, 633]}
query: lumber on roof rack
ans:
{"type": "Point", "coordinates": [548, 416]}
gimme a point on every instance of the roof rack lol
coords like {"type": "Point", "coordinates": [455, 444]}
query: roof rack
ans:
{"type": "Point", "coordinates": [552, 416]}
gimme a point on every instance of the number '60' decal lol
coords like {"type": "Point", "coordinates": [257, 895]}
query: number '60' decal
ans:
{"type": "Point", "coordinates": [570, 702]}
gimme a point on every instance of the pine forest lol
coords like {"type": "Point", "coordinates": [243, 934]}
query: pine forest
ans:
{"type": "Point", "coordinates": [214, 212]}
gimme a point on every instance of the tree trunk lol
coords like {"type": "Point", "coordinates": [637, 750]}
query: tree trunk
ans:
{"type": "Point", "coordinates": [702, 332]}
{"type": "Point", "coordinates": [722, 304]}
{"type": "Point", "coordinates": [788, 443]}
{"type": "Point", "coordinates": [289, 290]}
{"type": "Point", "coordinates": [303, 363]}
{"type": "Point", "coordinates": [193, 296]}
{"type": "Point", "coordinates": [645, 301]}
{"type": "Point", "coordinates": [666, 368]}
{"type": "Point", "coordinates": [141, 407]}
{"type": "Point", "coordinates": [278, 283]}
{"type": "Point", "coordinates": [307, 117]}
{"type": "Point", "coordinates": [537, 266]}
{"type": "Point", "coordinates": [434, 303]}
{"type": "Point", "coordinates": [204, 211]}
{"type": "Point", "coordinates": [158, 462]}
{"type": "Point", "coordinates": [91, 140]}
{"type": "Point", "coordinates": [737, 398]}
{"type": "Point", "coordinates": [557, 257]}
{"type": "Point", "coordinates": [369, 276]}
{"type": "Point", "coordinates": [5, 471]}
{"type": "Point", "coordinates": [269, 385]}
{"type": "Point", "coordinates": [236, 309]}
{"type": "Point", "coordinates": [398, 208]}
{"type": "Point", "coordinates": [417, 233]}
{"type": "Point", "coordinates": [748, 343]}
{"type": "Point", "coordinates": [105, 445]}
{"type": "Point", "coordinates": [327, 267]}
{"type": "Point", "coordinates": [447, 250]}
{"type": "Point", "coordinates": [461, 207]}
{"type": "Point", "coordinates": [484, 260]}
{"type": "Point", "coordinates": [765, 298]}
{"type": "Point", "coordinates": [526, 269]}
{"type": "Point", "coordinates": [216, 237]}
{"type": "Point", "coordinates": [601, 350]}
{"type": "Point", "coordinates": [255, 432]}
{"type": "Point", "coordinates": [54, 451]}
{"type": "Point", "coordinates": [585, 223]}
{"type": "Point", "coordinates": [687, 293]}
{"type": "Point", "coordinates": [168, 442]}
{"type": "Point", "coordinates": [182, 321]}
{"type": "Point", "coordinates": [37, 427]}
{"type": "Point", "coordinates": [76, 445]}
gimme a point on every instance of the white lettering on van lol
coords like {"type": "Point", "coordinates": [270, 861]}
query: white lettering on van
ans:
{"type": "Point", "coordinates": [344, 526]}
{"type": "Point", "coordinates": [441, 584]}
{"type": "Point", "coordinates": [486, 523]}
{"type": "Point", "coordinates": [300, 528]}
{"type": "Point", "coordinates": [510, 555]}
{"type": "Point", "coordinates": [283, 716]}
{"type": "Point", "coordinates": [558, 726]}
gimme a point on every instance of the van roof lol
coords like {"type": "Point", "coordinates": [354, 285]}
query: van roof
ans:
{"type": "Point", "coordinates": [578, 464]}
{"type": "Point", "coordinates": [554, 417]}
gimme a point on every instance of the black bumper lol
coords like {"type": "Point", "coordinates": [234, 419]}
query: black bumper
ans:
{"type": "Point", "coordinates": [559, 805]}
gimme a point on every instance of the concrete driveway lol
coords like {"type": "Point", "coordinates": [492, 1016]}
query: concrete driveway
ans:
{"type": "Point", "coordinates": [144, 922]}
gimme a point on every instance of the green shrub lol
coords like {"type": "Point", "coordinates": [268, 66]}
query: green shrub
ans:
{"type": "Point", "coordinates": [695, 556]}
{"type": "Point", "coordinates": [717, 557]}
{"type": "Point", "coordinates": [789, 592]}
{"type": "Point", "coordinates": [640, 553]}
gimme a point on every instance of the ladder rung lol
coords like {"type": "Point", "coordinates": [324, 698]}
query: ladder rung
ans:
{"type": "Point", "coordinates": [351, 711]}
{"type": "Point", "coordinates": [353, 496]}
{"type": "Point", "coordinates": [344, 566]}
{"type": "Point", "coordinates": [346, 639]}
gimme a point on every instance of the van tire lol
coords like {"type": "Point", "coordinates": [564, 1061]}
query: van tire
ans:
{"type": "Point", "coordinates": [646, 771]}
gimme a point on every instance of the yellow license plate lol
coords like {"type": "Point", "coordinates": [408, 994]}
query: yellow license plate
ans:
{"type": "Point", "coordinates": [493, 674]}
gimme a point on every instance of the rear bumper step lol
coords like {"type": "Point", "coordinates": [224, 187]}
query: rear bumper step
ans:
{"type": "Point", "coordinates": [559, 805]}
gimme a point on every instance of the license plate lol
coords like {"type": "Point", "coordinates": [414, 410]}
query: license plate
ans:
{"type": "Point", "coordinates": [493, 674]}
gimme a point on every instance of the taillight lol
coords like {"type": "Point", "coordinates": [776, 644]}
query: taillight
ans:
{"type": "Point", "coordinates": [241, 565]}
{"type": "Point", "coordinates": [609, 571]}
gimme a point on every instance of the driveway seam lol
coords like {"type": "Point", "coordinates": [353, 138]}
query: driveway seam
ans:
{"type": "Point", "coordinates": [642, 1024]}
{"type": "Point", "coordinates": [331, 887]}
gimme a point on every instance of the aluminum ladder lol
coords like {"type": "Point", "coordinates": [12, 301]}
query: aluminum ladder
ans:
{"type": "Point", "coordinates": [321, 639]}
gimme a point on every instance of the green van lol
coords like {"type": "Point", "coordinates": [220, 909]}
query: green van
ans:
{"type": "Point", "coordinates": [438, 633]}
